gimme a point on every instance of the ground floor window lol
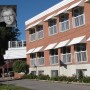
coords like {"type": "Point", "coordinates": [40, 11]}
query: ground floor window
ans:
{"type": "Point", "coordinates": [54, 73]}
{"type": "Point", "coordinates": [33, 59]}
{"type": "Point", "coordinates": [53, 56]}
{"type": "Point", "coordinates": [41, 72]}
{"type": "Point", "coordinates": [33, 72]}
{"type": "Point", "coordinates": [40, 58]}
{"type": "Point", "coordinates": [66, 54]}
{"type": "Point", "coordinates": [80, 73]}
{"type": "Point", "coordinates": [80, 52]}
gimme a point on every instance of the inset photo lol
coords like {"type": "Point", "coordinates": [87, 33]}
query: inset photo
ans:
{"type": "Point", "coordinates": [8, 16]}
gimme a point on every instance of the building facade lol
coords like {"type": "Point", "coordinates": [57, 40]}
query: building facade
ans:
{"type": "Point", "coordinates": [58, 40]}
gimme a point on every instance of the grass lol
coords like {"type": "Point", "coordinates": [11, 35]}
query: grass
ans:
{"type": "Point", "coordinates": [11, 87]}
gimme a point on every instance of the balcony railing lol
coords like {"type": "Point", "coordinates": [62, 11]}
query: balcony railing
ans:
{"type": "Point", "coordinates": [40, 34]}
{"type": "Point", "coordinates": [79, 20]}
{"type": "Point", "coordinates": [81, 56]}
{"type": "Point", "coordinates": [64, 26]}
{"type": "Point", "coordinates": [41, 61]}
{"type": "Point", "coordinates": [33, 62]}
{"type": "Point", "coordinates": [32, 37]}
{"type": "Point", "coordinates": [54, 59]}
{"type": "Point", "coordinates": [16, 44]}
{"type": "Point", "coordinates": [66, 58]}
{"type": "Point", "coordinates": [52, 30]}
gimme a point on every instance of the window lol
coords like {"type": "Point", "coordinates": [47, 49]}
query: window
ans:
{"type": "Point", "coordinates": [52, 27]}
{"type": "Point", "coordinates": [39, 32]}
{"type": "Point", "coordinates": [78, 17]}
{"type": "Point", "coordinates": [66, 54]}
{"type": "Point", "coordinates": [33, 72]}
{"type": "Point", "coordinates": [32, 35]}
{"type": "Point", "coordinates": [64, 22]}
{"type": "Point", "coordinates": [33, 59]}
{"type": "Point", "coordinates": [54, 73]}
{"type": "Point", "coordinates": [80, 52]}
{"type": "Point", "coordinates": [54, 56]}
{"type": "Point", "coordinates": [40, 58]}
{"type": "Point", "coordinates": [41, 72]}
{"type": "Point", "coordinates": [80, 73]}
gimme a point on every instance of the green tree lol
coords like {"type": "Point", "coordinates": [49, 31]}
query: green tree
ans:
{"type": "Point", "coordinates": [20, 66]}
{"type": "Point", "coordinates": [7, 34]}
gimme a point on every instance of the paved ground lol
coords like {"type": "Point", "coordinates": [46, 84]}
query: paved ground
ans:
{"type": "Point", "coordinates": [43, 85]}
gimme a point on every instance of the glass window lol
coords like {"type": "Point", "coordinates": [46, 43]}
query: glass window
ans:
{"type": "Point", "coordinates": [78, 11]}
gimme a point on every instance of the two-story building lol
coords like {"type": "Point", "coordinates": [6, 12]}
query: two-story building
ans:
{"type": "Point", "coordinates": [58, 40]}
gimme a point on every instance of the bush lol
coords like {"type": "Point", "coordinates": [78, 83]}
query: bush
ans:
{"type": "Point", "coordinates": [29, 76]}
{"type": "Point", "coordinates": [86, 79]}
{"type": "Point", "coordinates": [43, 77]}
{"type": "Point", "coordinates": [20, 66]}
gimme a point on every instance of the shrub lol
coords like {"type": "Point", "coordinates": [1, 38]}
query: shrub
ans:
{"type": "Point", "coordinates": [20, 66]}
{"type": "Point", "coordinates": [29, 76]}
{"type": "Point", "coordinates": [43, 77]}
{"type": "Point", "coordinates": [86, 79]}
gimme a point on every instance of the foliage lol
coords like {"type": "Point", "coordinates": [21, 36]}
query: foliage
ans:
{"type": "Point", "coordinates": [29, 76]}
{"type": "Point", "coordinates": [7, 34]}
{"type": "Point", "coordinates": [20, 66]}
{"type": "Point", "coordinates": [43, 77]}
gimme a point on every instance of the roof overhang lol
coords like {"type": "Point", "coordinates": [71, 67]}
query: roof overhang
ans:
{"type": "Point", "coordinates": [50, 46]}
{"type": "Point", "coordinates": [80, 3]}
{"type": "Point", "coordinates": [77, 40]}
{"type": "Point", "coordinates": [62, 44]}
{"type": "Point", "coordinates": [33, 25]}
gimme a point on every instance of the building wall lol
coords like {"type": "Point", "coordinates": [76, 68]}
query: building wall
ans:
{"type": "Point", "coordinates": [62, 36]}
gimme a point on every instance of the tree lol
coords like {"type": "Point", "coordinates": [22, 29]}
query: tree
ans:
{"type": "Point", "coordinates": [7, 34]}
{"type": "Point", "coordinates": [20, 66]}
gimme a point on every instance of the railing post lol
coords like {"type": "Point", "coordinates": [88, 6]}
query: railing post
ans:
{"type": "Point", "coordinates": [9, 44]}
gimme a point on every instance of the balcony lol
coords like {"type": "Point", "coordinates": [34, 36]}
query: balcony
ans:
{"type": "Point", "coordinates": [64, 26]}
{"type": "Point", "coordinates": [78, 20]}
{"type": "Point", "coordinates": [81, 56]}
{"type": "Point", "coordinates": [66, 58]}
{"type": "Point", "coordinates": [16, 44]}
{"type": "Point", "coordinates": [52, 30]}
{"type": "Point", "coordinates": [54, 59]}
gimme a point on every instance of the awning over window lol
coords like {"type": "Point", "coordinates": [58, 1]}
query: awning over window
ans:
{"type": "Point", "coordinates": [38, 49]}
{"type": "Point", "coordinates": [62, 44]}
{"type": "Point", "coordinates": [88, 39]}
{"type": "Point", "coordinates": [49, 17]}
{"type": "Point", "coordinates": [50, 46]}
{"type": "Point", "coordinates": [81, 39]}
{"type": "Point", "coordinates": [30, 51]}
{"type": "Point", "coordinates": [80, 3]}
{"type": "Point", "coordinates": [62, 11]}
{"type": "Point", "coordinates": [37, 23]}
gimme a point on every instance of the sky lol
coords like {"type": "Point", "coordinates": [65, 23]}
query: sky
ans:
{"type": "Point", "coordinates": [27, 9]}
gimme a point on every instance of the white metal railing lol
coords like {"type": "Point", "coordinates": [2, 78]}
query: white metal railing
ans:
{"type": "Point", "coordinates": [41, 61]}
{"type": "Point", "coordinates": [40, 34]}
{"type": "Point", "coordinates": [33, 62]}
{"type": "Point", "coordinates": [16, 44]}
{"type": "Point", "coordinates": [81, 56]}
{"type": "Point", "coordinates": [78, 20]}
{"type": "Point", "coordinates": [52, 30]}
{"type": "Point", "coordinates": [66, 58]}
{"type": "Point", "coordinates": [32, 37]}
{"type": "Point", "coordinates": [54, 59]}
{"type": "Point", "coordinates": [64, 26]}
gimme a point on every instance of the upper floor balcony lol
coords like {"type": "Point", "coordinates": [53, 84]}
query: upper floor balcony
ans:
{"type": "Point", "coordinates": [16, 44]}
